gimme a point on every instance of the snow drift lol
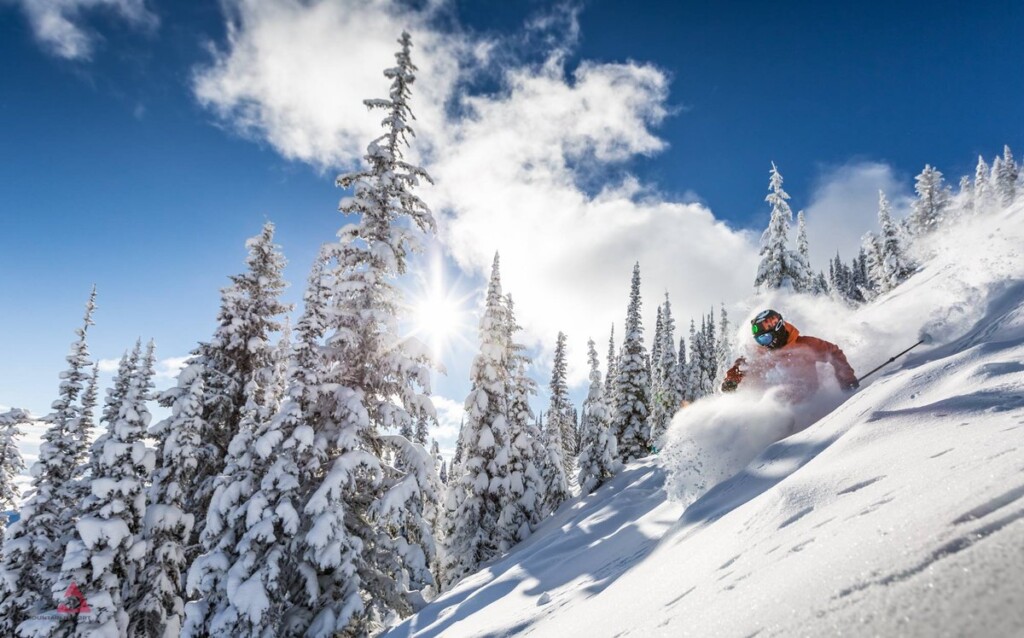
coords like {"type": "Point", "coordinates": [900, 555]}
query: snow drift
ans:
{"type": "Point", "coordinates": [901, 512]}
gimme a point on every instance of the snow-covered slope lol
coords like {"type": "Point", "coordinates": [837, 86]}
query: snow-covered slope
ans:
{"type": "Point", "coordinates": [899, 513]}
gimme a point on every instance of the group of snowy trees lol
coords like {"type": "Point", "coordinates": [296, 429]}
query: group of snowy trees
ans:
{"type": "Point", "coordinates": [887, 258]}
{"type": "Point", "coordinates": [511, 471]}
{"type": "Point", "coordinates": [291, 492]}
{"type": "Point", "coordinates": [275, 499]}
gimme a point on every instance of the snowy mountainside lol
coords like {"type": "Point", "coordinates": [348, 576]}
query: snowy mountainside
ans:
{"type": "Point", "coordinates": [899, 513]}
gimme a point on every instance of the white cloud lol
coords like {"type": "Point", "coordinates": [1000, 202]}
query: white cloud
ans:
{"type": "Point", "coordinates": [57, 24]}
{"type": "Point", "coordinates": [844, 206]}
{"type": "Point", "coordinates": [296, 73]}
{"type": "Point", "coordinates": [108, 366]}
{"type": "Point", "coordinates": [509, 165]}
{"type": "Point", "coordinates": [170, 367]}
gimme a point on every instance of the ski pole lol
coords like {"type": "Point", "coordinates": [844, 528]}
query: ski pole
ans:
{"type": "Point", "coordinates": [925, 338]}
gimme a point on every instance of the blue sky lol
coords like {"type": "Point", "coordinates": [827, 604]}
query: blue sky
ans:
{"type": "Point", "coordinates": [142, 145]}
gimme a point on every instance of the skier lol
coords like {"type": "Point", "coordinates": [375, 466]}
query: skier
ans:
{"type": "Point", "coordinates": [788, 358]}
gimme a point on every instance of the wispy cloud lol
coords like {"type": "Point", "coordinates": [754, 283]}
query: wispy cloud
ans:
{"type": "Point", "coordinates": [108, 366]}
{"type": "Point", "coordinates": [515, 168]}
{"type": "Point", "coordinates": [844, 205]}
{"type": "Point", "coordinates": [58, 24]}
{"type": "Point", "coordinates": [170, 367]}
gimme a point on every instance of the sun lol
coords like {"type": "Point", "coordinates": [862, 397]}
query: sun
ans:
{"type": "Point", "coordinates": [437, 317]}
{"type": "Point", "coordinates": [438, 313]}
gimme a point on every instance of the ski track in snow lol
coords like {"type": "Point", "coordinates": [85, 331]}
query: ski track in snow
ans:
{"type": "Point", "coordinates": [899, 513]}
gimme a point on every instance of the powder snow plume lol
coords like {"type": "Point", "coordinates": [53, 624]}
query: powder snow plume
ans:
{"type": "Point", "coordinates": [713, 439]}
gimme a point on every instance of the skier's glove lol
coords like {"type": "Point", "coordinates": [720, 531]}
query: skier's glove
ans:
{"type": "Point", "coordinates": [851, 386]}
{"type": "Point", "coordinates": [729, 386]}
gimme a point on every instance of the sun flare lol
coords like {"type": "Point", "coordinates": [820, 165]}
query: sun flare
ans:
{"type": "Point", "coordinates": [437, 317]}
{"type": "Point", "coordinates": [439, 314]}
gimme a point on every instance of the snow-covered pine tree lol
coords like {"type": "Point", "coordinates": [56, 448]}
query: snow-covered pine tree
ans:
{"type": "Point", "coordinates": [108, 550]}
{"type": "Point", "coordinates": [32, 551]}
{"type": "Point", "coordinates": [723, 349]}
{"type": "Point", "coordinates": [555, 476]}
{"type": "Point", "coordinates": [871, 286]}
{"type": "Point", "coordinates": [682, 376]}
{"type": "Point", "coordinates": [354, 568]}
{"type": "Point", "coordinates": [422, 432]}
{"type": "Point", "coordinates": [632, 385]}
{"type": "Point", "coordinates": [280, 373]}
{"type": "Point", "coordinates": [693, 368]}
{"type": "Point", "coordinates": [895, 265]}
{"type": "Point", "coordinates": [821, 286]}
{"type": "Point", "coordinates": [253, 524]}
{"type": "Point", "coordinates": [1006, 178]}
{"type": "Point", "coordinates": [484, 485]}
{"type": "Point", "coordinates": [778, 268]}
{"type": "Point", "coordinates": [932, 200]}
{"type": "Point", "coordinates": [561, 422]}
{"type": "Point", "coordinates": [11, 463]}
{"type": "Point", "coordinates": [655, 360]}
{"type": "Point", "coordinates": [983, 191]}
{"type": "Point", "coordinates": [89, 402]}
{"type": "Point", "coordinates": [803, 276]}
{"type": "Point", "coordinates": [613, 372]}
{"type": "Point", "coordinates": [705, 357]}
{"type": "Point", "coordinates": [239, 356]}
{"type": "Point", "coordinates": [597, 448]}
{"type": "Point", "coordinates": [457, 456]}
{"type": "Point", "coordinates": [158, 608]}
{"type": "Point", "coordinates": [665, 396]}
{"type": "Point", "coordinates": [528, 454]}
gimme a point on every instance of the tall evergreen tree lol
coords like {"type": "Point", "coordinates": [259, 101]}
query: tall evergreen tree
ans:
{"type": "Point", "coordinates": [1006, 178]}
{"type": "Point", "coordinates": [484, 484]}
{"type": "Point", "coordinates": [597, 446]}
{"type": "Point", "coordinates": [632, 385]}
{"type": "Point", "coordinates": [32, 551]}
{"type": "Point", "coordinates": [238, 369]}
{"type": "Point", "coordinates": [665, 395]}
{"type": "Point", "coordinates": [159, 607]}
{"type": "Point", "coordinates": [613, 372]}
{"type": "Point", "coordinates": [983, 192]}
{"type": "Point", "coordinates": [682, 377]}
{"type": "Point", "coordinates": [11, 463]}
{"type": "Point", "coordinates": [106, 555]}
{"type": "Point", "coordinates": [779, 266]}
{"type": "Point", "coordinates": [803, 277]}
{"type": "Point", "coordinates": [870, 286]}
{"type": "Point", "coordinates": [932, 201]}
{"type": "Point", "coordinates": [723, 348]}
{"type": "Point", "coordinates": [528, 455]}
{"type": "Point", "coordinates": [354, 560]}
{"type": "Point", "coordinates": [561, 423]}
{"type": "Point", "coordinates": [895, 266]}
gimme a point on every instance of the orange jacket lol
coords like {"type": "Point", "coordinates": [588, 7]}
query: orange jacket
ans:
{"type": "Point", "coordinates": [792, 365]}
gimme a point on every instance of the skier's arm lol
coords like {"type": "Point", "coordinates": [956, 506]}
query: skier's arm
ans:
{"type": "Point", "coordinates": [733, 376]}
{"type": "Point", "coordinates": [830, 353]}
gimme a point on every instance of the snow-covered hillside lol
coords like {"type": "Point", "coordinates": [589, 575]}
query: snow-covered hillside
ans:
{"type": "Point", "coordinates": [899, 513]}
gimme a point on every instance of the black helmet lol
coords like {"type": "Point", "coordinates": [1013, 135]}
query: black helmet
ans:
{"type": "Point", "coordinates": [769, 329]}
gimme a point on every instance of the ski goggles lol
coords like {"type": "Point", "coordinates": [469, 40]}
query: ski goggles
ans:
{"type": "Point", "coordinates": [765, 327]}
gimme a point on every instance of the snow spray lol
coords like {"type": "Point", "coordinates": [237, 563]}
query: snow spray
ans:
{"type": "Point", "coordinates": [715, 438]}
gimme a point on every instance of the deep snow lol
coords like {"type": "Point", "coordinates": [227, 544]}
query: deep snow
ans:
{"type": "Point", "coordinates": [899, 513]}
